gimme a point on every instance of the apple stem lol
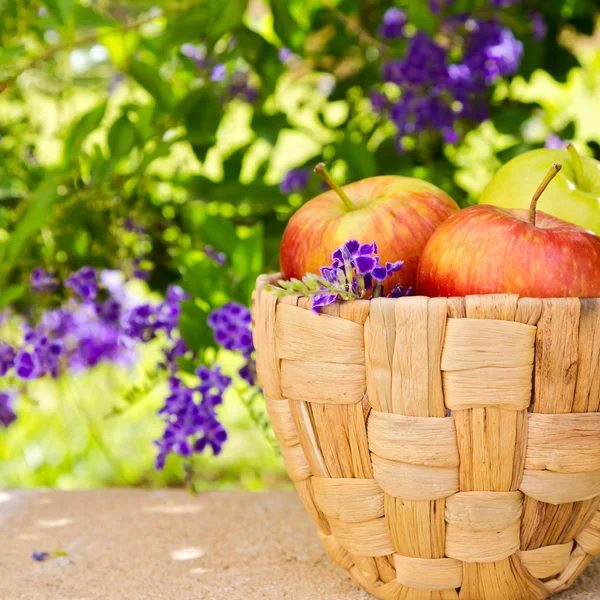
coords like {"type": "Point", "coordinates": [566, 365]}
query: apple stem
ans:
{"type": "Point", "coordinates": [323, 172]}
{"type": "Point", "coordinates": [577, 165]}
{"type": "Point", "coordinates": [547, 179]}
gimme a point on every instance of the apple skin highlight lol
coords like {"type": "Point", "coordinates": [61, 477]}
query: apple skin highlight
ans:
{"type": "Point", "coordinates": [487, 250]}
{"type": "Point", "coordinates": [399, 213]}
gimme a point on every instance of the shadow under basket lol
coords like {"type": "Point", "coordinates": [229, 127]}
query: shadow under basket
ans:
{"type": "Point", "coordinates": [499, 500]}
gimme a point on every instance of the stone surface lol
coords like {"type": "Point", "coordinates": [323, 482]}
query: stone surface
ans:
{"type": "Point", "coordinates": [127, 544]}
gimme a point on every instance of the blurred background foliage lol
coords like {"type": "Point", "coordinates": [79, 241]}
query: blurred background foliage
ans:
{"type": "Point", "coordinates": [184, 118]}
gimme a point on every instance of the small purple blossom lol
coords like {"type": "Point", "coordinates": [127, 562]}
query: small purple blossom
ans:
{"type": "Point", "coordinates": [84, 283]}
{"type": "Point", "coordinates": [538, 26]}
{"type": "Point", "coordinates": [40, 556]}
{"type": "Point", "coordinates": [231, 327]}
{"type": "Point", "coordinates": [218, 257]}
{"type": "Point", "coordinates": [218, 72]}
{"type": "Point", "coordinates": [42, 281]}
{"type": "Point", "coordinates": [196, 53]}
{"type": "Point", "coordinates": [356, 269]}
{"type": "Point", "coordinates": [379, 101]}
{"type": "Point", "coordinates": [214, 435]}
{"type": "Point", "coordinates": [115, 81]}
{"type": "Point", "coordinates": [7, 358]}
{"type": "Point", "coordinates": [554, 142]}
{"type": "Point", "coordinates": [295, 180]}
{"type": "Point", "coordinates": [7, 404]}
{"type": "Point", "coordinates": [285, 55]}
{"type": "Point", "coordinates": [392, 26]}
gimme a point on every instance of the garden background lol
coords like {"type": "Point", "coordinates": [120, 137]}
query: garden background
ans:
{"type": "Point", "coordinates": [167, 144]}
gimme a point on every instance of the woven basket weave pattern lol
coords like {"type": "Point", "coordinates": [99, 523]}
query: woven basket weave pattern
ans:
{"type": "Point", "coordinates": [500, 500]}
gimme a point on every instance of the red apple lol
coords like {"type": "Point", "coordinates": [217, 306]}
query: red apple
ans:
{"type": "Point", "coordinates": [399, 213]}
{"type": "Point", "coordinates": [485, 249]}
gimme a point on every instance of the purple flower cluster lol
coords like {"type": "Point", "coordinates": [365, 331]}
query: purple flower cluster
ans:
{"type": "Point", "coordinates": [295, 180]}
{"type": "Point", "coordinates": [444, 80]}
{"type": "Point", "coordinates": [356, 268]}
{"type": "Point", "coordinates": [231, 327]}
{"type": "Point", "coordinates": [191, 420]}
{"type": "Point", "coordinates": [101, 322]}
{"type": "Point", "coordinates": [42, 281]}
{"type": "Point", "coordinates": [237, 83]}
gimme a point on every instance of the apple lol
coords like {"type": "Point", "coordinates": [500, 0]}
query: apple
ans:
{"type": "Point", "coordinates": [399, 213]}
{"type": "Point", "coordinates": [485, 249]}
{"type": "Point", "coordinates": [573, 197]}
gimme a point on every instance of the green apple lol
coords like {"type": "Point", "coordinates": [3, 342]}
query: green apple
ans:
{"type": "Point", "coordinates": [574, 196]}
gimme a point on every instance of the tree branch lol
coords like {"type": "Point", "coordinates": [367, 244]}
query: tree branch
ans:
{"type": "Point", "coordinates": [88, 39]}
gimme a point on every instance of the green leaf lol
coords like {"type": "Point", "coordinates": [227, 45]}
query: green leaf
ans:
{"type": "Point", "coordinates": [193, 327]}
{"type": "Point", "coordinates": [201, 115]}
{"type": "Point", "coordinates": [285, 27]}
{"type": "Point", "coordinates": [80, 131]}
{"type": "Point", "coordinates": [60, 9]}
{"type": "Point", "coordinates": [214, 230]}
{"type": "Point", "coordinates": [509, 119]}
{"type": "Point", "coordinates": [509, 153]}
{"type": "Point", "coordinates": [149, 78]}
{"type": "Point", "coordinates": [361, 163]}
{"type": "Point", "coordinates": [11, 294]}
{"type": "Point", "coordinates": [122, 137]}
{"type": "Point", "coordinates": [419, 14]}
{"type": "Point", "coordinates": [247, 262]}
{"type": "Point", "coordinates": [88, 16]}
{"type": "Point", "coordinates": [37, 214]}
{"type": "Point", "coordinates": [214, 19]}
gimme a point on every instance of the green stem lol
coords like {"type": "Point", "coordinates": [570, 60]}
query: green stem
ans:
{"type": "Point", "coordinates": [541, 188]}
{"type": "Point", "coordinates": [577, 166]}
{"type": "Point", "coordinates": [323, 172]}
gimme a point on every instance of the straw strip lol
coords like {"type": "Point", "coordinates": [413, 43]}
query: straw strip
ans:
{"type": "Point", "coordinates": [564, 443]}
{"type": "Point", "coordinates": [425, 441]}
{"type": "Point", "coordinates": [431, 574]}
{"type": "Point", "coordinates": [350, 500]}
{"type": "Point", "coordinates": [547, 561]}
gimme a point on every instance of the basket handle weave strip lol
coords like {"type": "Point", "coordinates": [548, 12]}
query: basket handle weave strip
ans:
{"type": "Point", "coordinates": [500, 500]}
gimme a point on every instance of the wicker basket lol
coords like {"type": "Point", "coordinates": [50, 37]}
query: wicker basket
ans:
{"type": "Point", "coordinates": [500, 500]}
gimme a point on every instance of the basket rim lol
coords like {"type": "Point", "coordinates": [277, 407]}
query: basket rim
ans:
{"type": "Point", "coordinates": [273, 278]}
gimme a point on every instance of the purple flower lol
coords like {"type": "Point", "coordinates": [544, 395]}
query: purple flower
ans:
{"type": "Point", "coordinates": [7, 402]}
{"type": "Point", "coordinates": [240, 87]}
{"type": "Point", "coordinates": [554, 142]}
{"type": "Point", "coordinates": [42, 281]}
{"type": "Point", "coordinates": [214, 436]}
{"type": "Point", "coordinates": [84, 283]}
{"type": "Point", "coordinates": [212, 383]}
{"type": "Point", "coordinates": [40, 556]}
{"type": "Point", "coordinates": [116, 80]}
{"type": "Point", "coordinates": [7, 358]}
{"type": "Point", "coordinates": [436, 6]}
{"type": "Point", "coordinates": [379, 101]}
{"type": "Point", "coordinates": [538, 26]}
{"type": "Point", "coordinates": [27, 365]}
{"type": "Point", "coordinates": [295, 180]}
{"type": "Point", "coordinates": [218, 72]}
{"type": "Point", "coordinates": [217, 257]}
{"type": "Point", "coordinates": [285, 55]}
{"type": "Point", "coordinates": [231, 327]}
{"type": "Point", "coordinates": [178, 350]}
{"type": "Point", "coordinates": [196, 54]}
{"type": "Point", "coordinates": [248, 372]}
{"type": "Point", "coordinates": [393, 23]}
{"type": "Point", "coordinates": [179, 399]}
